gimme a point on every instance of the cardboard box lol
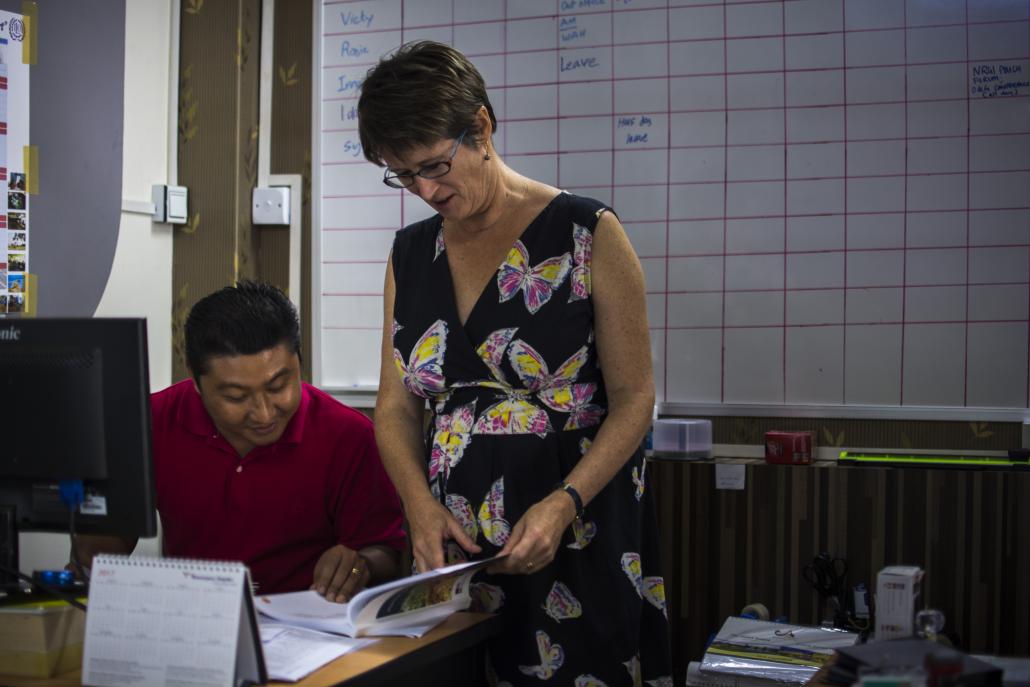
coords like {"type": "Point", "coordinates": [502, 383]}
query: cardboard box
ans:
{"type": "Point", "coordinates": [789, 448]}
{"type": "Point", "coordinates": [41, 639]}
{"type": "Point", "coordinates": [898, 588]}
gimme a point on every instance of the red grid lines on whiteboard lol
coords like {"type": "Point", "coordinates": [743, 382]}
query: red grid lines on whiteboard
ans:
{"type": "Point", "coordinates": [830, 199]}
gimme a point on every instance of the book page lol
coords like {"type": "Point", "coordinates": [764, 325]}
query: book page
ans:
{"type": "Point", "coordinates": [413, 605]}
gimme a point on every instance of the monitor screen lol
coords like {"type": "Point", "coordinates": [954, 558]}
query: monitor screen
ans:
{"type": "Point", "coordinates": [77, 407]}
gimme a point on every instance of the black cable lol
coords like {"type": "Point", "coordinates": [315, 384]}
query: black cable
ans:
{"type": "Point", "coordinates": [79, 569]}
{"type": "Point", "coordinates": [53, 591]}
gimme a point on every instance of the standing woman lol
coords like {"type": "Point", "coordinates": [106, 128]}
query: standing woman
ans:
{"type": "Point", "coordinates": [531, 450]}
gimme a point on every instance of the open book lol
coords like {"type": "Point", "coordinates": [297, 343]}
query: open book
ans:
{"type": "Point", "coordinates": [410, 606]}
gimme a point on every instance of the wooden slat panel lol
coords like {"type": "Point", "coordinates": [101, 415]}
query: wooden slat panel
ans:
{"type": "Point", "coordinates": [969, 530]}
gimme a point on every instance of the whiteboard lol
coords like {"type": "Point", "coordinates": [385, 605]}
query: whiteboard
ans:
{"type": "Point", "coordinates": [830, 198]}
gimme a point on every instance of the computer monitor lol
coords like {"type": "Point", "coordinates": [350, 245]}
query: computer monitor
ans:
{"type": "Point", "coordinates": [75, 398]}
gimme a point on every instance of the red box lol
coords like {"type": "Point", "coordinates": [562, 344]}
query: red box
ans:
{"type": "Point", "coordinates": [788, 448]}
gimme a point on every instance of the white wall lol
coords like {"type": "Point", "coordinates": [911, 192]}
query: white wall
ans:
{"type": "Point", "coordinates": [140, 283]}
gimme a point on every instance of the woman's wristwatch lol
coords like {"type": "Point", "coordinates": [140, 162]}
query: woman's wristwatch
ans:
{"type": "Point", "coordinates": [576, 498]}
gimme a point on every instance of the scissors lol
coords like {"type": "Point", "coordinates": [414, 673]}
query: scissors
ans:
{"type": "Point", "coordinates": [827, 574]}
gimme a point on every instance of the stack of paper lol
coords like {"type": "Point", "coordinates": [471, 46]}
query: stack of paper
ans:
{"type": "Point", "coordinates": [776, 652]}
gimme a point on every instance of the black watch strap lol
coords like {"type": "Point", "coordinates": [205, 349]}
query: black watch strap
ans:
{"type": "Point", "coordinates": [576, 498]}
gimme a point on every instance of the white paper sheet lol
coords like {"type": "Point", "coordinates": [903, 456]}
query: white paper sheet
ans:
{"type": "Point", "coordinates": [294, 652]}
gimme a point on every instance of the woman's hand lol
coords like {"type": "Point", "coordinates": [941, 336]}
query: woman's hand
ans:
{"type": "Point", "coordinates": [537, 535]}
{"type": "Point", "coordinates": [431, 525]}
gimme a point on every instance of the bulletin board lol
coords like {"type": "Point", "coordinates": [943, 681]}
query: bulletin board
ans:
{"type": "Point", "coordinates": [15, 220]}
{"type": "Point", "coordinates": [830, 198]}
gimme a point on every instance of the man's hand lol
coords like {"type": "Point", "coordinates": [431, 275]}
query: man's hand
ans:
{"type": "Point", "coordinates": [340, 574]}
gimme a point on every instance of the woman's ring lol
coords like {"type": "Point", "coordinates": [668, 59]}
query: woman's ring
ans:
{"type": "Point", "coordinates": [529, 566]}
{"type": "Point", "coordinates": [355, 571]}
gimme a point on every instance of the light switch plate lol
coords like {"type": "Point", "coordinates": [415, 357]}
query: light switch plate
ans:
{"type": "Point", "coordinates": [171, 203]}
{"type": "Point", "coordinates": [176, 205]}
{"type": "Point", "coordinates": [271, 205]}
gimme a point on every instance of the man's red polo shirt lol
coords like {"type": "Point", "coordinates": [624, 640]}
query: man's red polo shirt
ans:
{"type": "Point", "coordinates": [280, 507]}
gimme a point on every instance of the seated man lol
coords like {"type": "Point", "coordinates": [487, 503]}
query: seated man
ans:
{"type": "Point", "coordinates": [251, 464]}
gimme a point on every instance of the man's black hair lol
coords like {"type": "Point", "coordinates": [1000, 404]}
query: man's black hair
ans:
{"type": "Point", "coordinates": [245, 319]}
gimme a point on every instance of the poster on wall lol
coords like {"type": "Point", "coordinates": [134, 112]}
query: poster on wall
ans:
{"type": "Point", "coordinates": [15, 232]}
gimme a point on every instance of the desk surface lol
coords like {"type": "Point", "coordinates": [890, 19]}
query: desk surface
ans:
{"type": "Point", "coordinates": [387, 659]}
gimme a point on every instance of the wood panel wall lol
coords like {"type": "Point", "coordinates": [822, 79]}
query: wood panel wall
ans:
{"type": "Point", "coordinates": [220, 56]}
{"type": "Point", "coordinates": [724, 549]}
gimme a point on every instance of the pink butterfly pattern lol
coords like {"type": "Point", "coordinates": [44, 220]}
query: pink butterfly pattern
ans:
{"type": "Point", "coordinates": [574, 399]}
{"type": "Point", "coordinates": [491, 351]}
{"type": "Point", "coordinates": [423, 373]}
{"type": "Point", "coordinates": [490, 518]}
{"type": "Point", "coordinates": [633, 667]}
{"type": "Point", "coordinates": [532, 370]}
{"type": "Point", "coordinates": [491, 515]}
{"type": "Point", "coordinates": [486, 598]}
{"type": "Point", "coordinates": [583, 242]}
{"type": "Point", "coordinates": [552, 657]}
{"type": "Point", "coordinates": [638, 480]}
{"type": "Point", "coordinates": [440, 247]}
{"type": "Point", "coordinates": [583, 533]}
{"type": "Point", "coordinates": [561, 604]}
{"type": "Point", "coordinates": [514, 414]}
{"type": "Point", "coordinates": [452, 433]}
{"type": "Point", "coordinates": [461, 509]}
{"type": "Point", "coordinates": [651, 589]}
{"type": "Point", "coordinates": [537, 283]}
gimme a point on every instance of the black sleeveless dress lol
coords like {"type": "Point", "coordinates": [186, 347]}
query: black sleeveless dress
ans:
{"type": "Point", "coordinates": [517, 397]}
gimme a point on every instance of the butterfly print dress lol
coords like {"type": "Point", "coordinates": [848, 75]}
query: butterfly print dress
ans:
{"type": "Point", "coordinates": [517, 396]}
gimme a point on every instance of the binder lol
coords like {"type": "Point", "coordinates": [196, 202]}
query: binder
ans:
{"type": "Point", "coordinates": [160, 621]}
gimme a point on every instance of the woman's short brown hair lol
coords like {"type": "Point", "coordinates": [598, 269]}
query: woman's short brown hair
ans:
{"type": "Point", "coordinates": [422, 93]}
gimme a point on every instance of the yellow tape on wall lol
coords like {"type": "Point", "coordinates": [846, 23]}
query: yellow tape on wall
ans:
{"type": "Point", "coordinates": [30, 12]}
{"type": "Point", "coordinates": [31, 284]}
{"type": "Point", "coordinates": [30, 160]}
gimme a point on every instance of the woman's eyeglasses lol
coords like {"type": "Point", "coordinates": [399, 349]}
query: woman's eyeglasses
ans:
{"type": "Point", "coordinates": [404, 179]}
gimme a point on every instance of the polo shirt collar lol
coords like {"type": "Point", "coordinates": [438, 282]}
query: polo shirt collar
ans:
{"type": "Point", "coordinates": [294, 432]}
{"type": "Point", "coordinates": [194, 418]}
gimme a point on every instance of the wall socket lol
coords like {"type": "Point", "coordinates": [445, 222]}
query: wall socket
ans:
{"type": "Point", "coordinates": [271, 205]}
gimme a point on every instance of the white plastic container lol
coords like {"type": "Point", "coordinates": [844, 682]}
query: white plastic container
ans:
{"type": "Point", "coordinates": [682, 439]}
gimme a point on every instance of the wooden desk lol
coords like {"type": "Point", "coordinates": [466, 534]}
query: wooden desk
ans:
{"type": "Point", "coordinates": [453, 653]}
